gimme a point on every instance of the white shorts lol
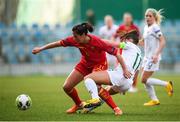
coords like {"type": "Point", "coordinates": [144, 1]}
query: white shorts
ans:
{"type": "Point", "coordinates": [120, 83]}
{"type": "Point", "coordinates": [148, 65]}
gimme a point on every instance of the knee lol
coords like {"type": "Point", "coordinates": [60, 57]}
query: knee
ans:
{"type": "Point", "coordinates": [88, 80]}
{"type": "Point", "coordinates": [67, 88]}
{"type": "Point", "coordinates": [87, 76]}
{"type": "Point", "coordinates": [144, 80]}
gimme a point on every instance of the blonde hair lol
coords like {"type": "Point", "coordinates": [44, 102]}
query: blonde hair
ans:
{"type": "Point", "coordinates": [108, 17]}
{"type": "Point", "coordinates": [127, 14]}
{"type": "Point", "coordinates": [157, 14]}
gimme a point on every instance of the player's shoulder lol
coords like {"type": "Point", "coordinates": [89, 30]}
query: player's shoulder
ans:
{"type": "Point", "coordinates": [133, 47]}
{"type": "Point", "coordinates": [135, 26]}
{"type": "Point", "coordinates": [102, 28]}
{"type": "Point", "coordinates": [115, 26]}
{"type": "Point", "coordinates": [130, 44]}
{"type": "Point", "coordinates": [155, 27]}
{"type": "Point", "coordinates": [95, 40]}
{"type": "Point", "coordinates": [94, 37]}
{"type": "Point", "coordinates": [145, 27]}
{"type": "Point", "coordinates": [70, 39]}
{"type": "Point", "coordinates": [121, 27]}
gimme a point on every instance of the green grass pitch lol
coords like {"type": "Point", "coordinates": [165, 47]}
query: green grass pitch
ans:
{"type": "Point", "coordinates": [49, 102]}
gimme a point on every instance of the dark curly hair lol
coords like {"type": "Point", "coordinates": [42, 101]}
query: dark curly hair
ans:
{"type": "Point", "coordinates": [134, 36]}
{"type": "Point", "coordinates": [83, 28]}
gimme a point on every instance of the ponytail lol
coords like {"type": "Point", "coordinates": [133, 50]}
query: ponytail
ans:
{"type": "Point", "coordinates": [83, 28]}
{"type": "Point", "coordinates": [88, 26]}
{"type": "Point", "coordinates": [157, 14]}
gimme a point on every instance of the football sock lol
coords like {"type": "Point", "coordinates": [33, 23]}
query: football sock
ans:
{"type": "Point", "coordinates": [104, 94]}
{"type": "Point", "coordinates": [74, 95]}
{"type": "Point", "coordinates": [151, 92]}
{"type": "Point", "coordinates": [91, 87]}
{"type": "Point", "coordinates": [154, 81]}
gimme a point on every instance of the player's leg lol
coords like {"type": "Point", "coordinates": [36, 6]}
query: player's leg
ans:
{"type": "Point", "coordinates": [72, 80]}
{"type": "Point", "coordinates": [103, 93]}
{"type": "Point", "coordinates": [167, 84]}
{"type": "Point", "coordinates": [99, 78]}
{"type": "Point", "coordinates": [94, 79]}
{"type": "Point", "coordinates": [148, 70]}
{"type": "Point", "coordinates": [135, 80]}
{"type": "Point", "coordinates": [149, 88]}
{"type": "Point", "coordinates": [111, 90]}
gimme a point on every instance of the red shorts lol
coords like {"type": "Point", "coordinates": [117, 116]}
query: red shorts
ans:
{"type": "Point", "coordinates": [85, 70]}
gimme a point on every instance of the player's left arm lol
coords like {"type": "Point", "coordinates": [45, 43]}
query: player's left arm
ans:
{"type": "Point", "coordinates": [162, 43]}
{"type": "Point", "coordinates": [120, 59]}
{"type": "Point", "coordinates": [116, 52]}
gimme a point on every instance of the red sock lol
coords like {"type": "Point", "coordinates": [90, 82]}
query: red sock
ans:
{"type": "Point", "coordinates": [74, 95]}
{"type": "Point", "coordinates": [104, 94]}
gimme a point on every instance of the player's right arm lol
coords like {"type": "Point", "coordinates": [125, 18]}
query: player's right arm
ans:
{"type": "Point", "coordinates": [45, 47]}
{"type": "Point", "coordinates": [65, 42]}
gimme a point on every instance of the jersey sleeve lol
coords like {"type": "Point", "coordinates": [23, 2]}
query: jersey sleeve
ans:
{"type": "Point", "coordinates": [157, 31]}
{"type": "Point", "coordinates": [67, 41]}
{"type": "Point", "coordinates": [107, 47]}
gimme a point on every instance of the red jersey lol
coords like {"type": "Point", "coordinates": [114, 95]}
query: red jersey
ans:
{"type": "Point", "coordinates": [122, 30]}
{"type": "Point", "coordinates": [93, 52]}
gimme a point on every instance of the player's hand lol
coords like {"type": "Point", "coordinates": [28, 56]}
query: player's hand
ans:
{"type": "Point", "coordinates": [127, 74]}
{"type": "Point", "coordinates": [36, 50]}
{"type": "Point", "coordinates": [155, 59]}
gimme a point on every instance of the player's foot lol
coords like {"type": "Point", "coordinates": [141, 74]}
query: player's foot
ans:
{"type": "Point", "coordinates": [133, 89]}
{"type": "Point", "coordinates": [152, 103]}
{"type": "Point", "coordinates": [88, 110]}
{"type": "Point", "coordinates": [74, 108]}
{"type": "Point", "coordinates": [118, 111]}
{"type": "Point", "coordinates": [169, 88]}
{"type": "Point", "coordinates": [92, 103]}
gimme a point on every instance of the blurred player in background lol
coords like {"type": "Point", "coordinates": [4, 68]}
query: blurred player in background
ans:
{"type": "Point", "coordinates": [107, 32]}
{"type": "Point", "coordinates": [90, 17]}
{"type": "Point", "coordinates": [93, 59]}
{"type": "Point", "coordinates": [154, 42]}
{"type": "Point", "coordinates": [125, 28]}
{"type": "Point", "coordinates": [118, 83]}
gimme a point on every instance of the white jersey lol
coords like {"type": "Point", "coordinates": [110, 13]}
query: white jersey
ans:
{"type": "Point", "coordinates": [132, 57]}
{"type": "Point", "coordinates": [106, 33]}
{"type": "Point", "coordinates": [151, 40]}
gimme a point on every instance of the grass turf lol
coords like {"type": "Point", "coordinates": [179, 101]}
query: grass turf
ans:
{"type": "Point", "coordinates": [50, 102]}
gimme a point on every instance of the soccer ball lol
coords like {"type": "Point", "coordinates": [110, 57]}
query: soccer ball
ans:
{"type": "Point", "coordinates": [23, 102]}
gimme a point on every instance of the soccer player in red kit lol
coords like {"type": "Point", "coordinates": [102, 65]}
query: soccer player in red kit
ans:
{"type": "Point", "coordinates": [127, 27]}
{"type": "Point", "coordinates": [93, 59]}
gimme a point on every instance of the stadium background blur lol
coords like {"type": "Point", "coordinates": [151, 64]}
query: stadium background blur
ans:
{"type": "Point", "coordinates": [25, 24]}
